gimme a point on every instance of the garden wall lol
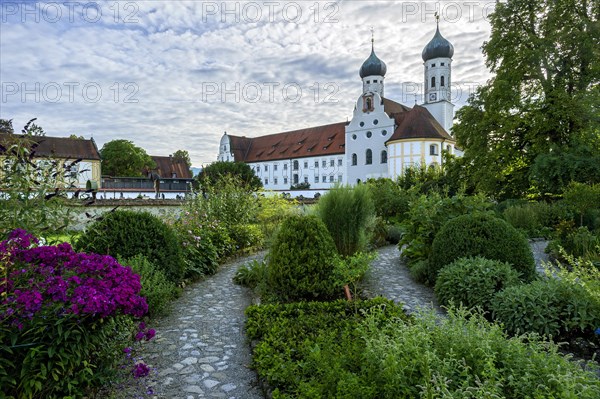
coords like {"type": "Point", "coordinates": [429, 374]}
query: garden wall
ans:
{"type": "Point", "coordinates": [83, 214]}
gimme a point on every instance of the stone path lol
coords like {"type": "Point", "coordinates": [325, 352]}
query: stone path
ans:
{"type": "Point", "coordinates": [389, 277]}
{"type": "Point", "coordinates": [200, 350]}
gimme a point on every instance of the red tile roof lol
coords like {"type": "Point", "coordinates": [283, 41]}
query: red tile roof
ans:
{"type": "Point", "coordinates": [166, 166]}
{"type": "Point", "coordinates": [418, 123]}
{"type": "Point", "coordinates": [309, 142]}
{"type": "Point", "coordinates": [60, 147]}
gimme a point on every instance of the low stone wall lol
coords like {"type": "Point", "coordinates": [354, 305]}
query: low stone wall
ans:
{"type": "Point", "coordinates": [85, 213]}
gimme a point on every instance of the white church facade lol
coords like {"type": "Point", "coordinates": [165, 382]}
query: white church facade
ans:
{"type": "Point", "coordinates": [382, 139]}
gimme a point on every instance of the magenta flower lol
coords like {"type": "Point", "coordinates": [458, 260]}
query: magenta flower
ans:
{"type": "Point", "coordinates": [140, 370]}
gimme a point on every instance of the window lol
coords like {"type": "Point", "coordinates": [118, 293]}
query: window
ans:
{"type": "Point", "coordinates": [442, 64]}
{"type": "Point", "coordinates": [295, 178]}
{"type": "Point", "coordinates": [433, 65]}
{"type": "Point", "coordinates": [375, 122]}
{"type": "Point", "coordinates": [332, 162]}
{"type": "Point", "coordinates": [442, 81]}
{"type": "Point", "coordinates": [354, 160]}
{"type": "Point", "coordinates": [368, 82]}
{"type": "Point", "coordinates": [354, 136]}
{"type": "Point", "coordinates": [375, 81]}
{"type": "Point", "coordinates": [330, 178]}
{"type": "Point", "coordinates": [369, 155]}
{"type": "Point", "coordinates": [324, 179]}
{"type": "Point", "coordinates": [433, 81]}
{"type": "Point", "coordinates": [316, 164]}
{"type": "Point", "coordinates": [274, 180]}
{"type": "Point", "coordinates": [275, 168]}
{"type": "Point", "coordinates": [296, 168]}
{"type": "Point", "coordinates": [340, 178]}
{"type": "Point", "coordinates": [433, 149]}
{"type": "Point", "coordinates": [361, 124]}
{"type": "Point", "coordinates": [316, 178]}
{"type": "Point", "coordinates": [384, 156]}
{"type": "Point", "coordinates": [305, 164]}
{"type": "Point", "coordinates": [285, 166]}
{"type": "Point", "coordinates": [324, 163]}
{"type": "Point", "coordinates": [285, 180]}
{"type": "Point", "coordinates": [305, 179]}
{"type": "Point", "coordinates": [266, 181]}
{"type": "Point", "coordinates": [266, 168]}
{"type": "Point", "coordinates": [384, 132]}
{"type": "Point", "coordinates": [369, 134]}
{"type": "Point", "coordinates": [339, 161]}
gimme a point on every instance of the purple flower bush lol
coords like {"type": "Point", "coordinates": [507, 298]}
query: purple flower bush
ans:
{"type": "Point", "coordinates": [64, 318]}
{"type": "Point", "coordinates": [70, 282]}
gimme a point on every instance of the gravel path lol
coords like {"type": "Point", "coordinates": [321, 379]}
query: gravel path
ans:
{"type": "Point", "coordinates": [200, 350]}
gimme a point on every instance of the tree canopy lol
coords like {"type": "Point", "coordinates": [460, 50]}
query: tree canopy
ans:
{"type": "Point", "coordinates": [183, 156]}
{"type": "Point", "coordinates": [124, 159]}
{"type": "Point", "coordinates": [214, 172]}
{"type": "Point", "coordinates": [541, 107]}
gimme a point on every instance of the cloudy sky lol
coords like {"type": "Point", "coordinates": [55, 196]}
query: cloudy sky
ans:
{"type": "Point", "coordinates": [173, 75]}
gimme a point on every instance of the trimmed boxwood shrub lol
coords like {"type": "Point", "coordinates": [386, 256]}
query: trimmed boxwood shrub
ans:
{"type": "Point", "coordinates": [481, 235]}
{"type": "Point", "coordinates": [560, 308]}
{"type": "Point", "coordinates": [126, 234]}
{"type": "Point", "coordinates": [473, 281]}
{"type": "Point", "coordinates": [301, 261]}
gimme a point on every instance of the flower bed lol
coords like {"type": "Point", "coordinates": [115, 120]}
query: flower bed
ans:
{"type": "Point", "coordinates": [64, 317]}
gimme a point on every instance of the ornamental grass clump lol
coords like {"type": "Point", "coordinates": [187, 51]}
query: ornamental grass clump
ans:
{"type": "Point", "coordinates": [64, 317]}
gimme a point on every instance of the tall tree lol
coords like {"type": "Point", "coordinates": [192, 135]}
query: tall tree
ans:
{"type": "Point", "coordinates": [124, 159]}
{"type": "Point", "coordinates": [6, 126]}
{"type": "Point", "coordinates": [546, 60]}
{"type": "Point", "coordinates": [214, 173]}
{"type": "Point", "coordinates": [183, 156]}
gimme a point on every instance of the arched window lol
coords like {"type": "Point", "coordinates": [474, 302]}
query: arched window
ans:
{"type": "Point", "coordinates": [295, 165]}
{"type": "Point", "coordinates": [384, 156]}
{"type": "Point", "coordinates": [369, 155]}
{"type": "Point", "coordinates": [354, 160]}
{"type": "Point", "coordinates": [433, 81]}
{"type": "Point", "coordinates": [442, 81]}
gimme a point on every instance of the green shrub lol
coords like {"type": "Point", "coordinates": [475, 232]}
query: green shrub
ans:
{"type": "Point", "coordinates": [247, 236]}
{"type": "Point", "coordinates": [473, 282]}
{"type": "Point", "coordinates": [370, 349]}
{"type": "Point", "coordinates": [464, 356]}
{"type": "Point", "coordinates": [393, 233]}
{"type": "Point", "coordinates": [272, 210]}
{"type": "Point", "coordinates": [481, 235]}
{"type": "Point", "coordinates": [582, 198]}
{"type": "Point", "coordinates": [156, 287]}
{"type": "Point", "coordinates": [536, 219]}
{"type": "Point", "coordinates": [560, 308]}
{"type": "Point", "coordinates": [427, 214]}
{"type": "Point", "coordinates": [252, 274]}
{"type": "Point", "coordinates": [301, 260]}
{"type": "Point", "coordinates": [390, 201]}
{"type": "Point", "coordinates": [377, 233]}
{"type": "Point", "coordinates": [126, 234]}
{"type": "Point", "coordinates": [419, 271]}
{"type": "Point", "coordinates": [347, 212]}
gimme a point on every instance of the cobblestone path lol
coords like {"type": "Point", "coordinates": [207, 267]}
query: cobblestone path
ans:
{"type": "Point", "coordinates": [200, 350]}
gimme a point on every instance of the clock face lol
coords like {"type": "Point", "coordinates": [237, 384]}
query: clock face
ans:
{"type": "Point", "coordinates": [432, 96]}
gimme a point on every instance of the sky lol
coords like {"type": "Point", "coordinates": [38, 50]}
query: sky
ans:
{"type": "Point", "coordinates": [176, 75]}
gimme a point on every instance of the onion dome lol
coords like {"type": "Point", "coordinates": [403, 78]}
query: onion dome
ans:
{"type": "Point", "coordinates": [438, 47]}
{"type": "Point", "coordinates": [373, 66]}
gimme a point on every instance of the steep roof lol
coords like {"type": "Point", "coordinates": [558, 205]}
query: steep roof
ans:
{"type": "Point", "coordinates": [59, 147]}
{"type": "Point", "coordinates": [418, 123]}
{"type": "Point", "coordinates": [312, 141]}
{"type": "Point", "coordinates": [166, 166]}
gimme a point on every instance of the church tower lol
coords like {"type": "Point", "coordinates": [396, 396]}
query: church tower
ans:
{"type": "Point", "coordinates": [372, 73]}
{"type": "Point", "coordinates": [437, 60]}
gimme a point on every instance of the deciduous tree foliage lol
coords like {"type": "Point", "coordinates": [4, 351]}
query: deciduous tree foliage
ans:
{"type": "Point", "coordinates": [124, 159]}
{"type": "Point", "coordinates": [183, 156]}
{"type": "Point", "coordinates": [545, 55]}
{"type": "Point", "coordinates": [213, 173]}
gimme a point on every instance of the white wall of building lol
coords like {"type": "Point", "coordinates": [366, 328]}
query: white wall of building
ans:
{"type": "Point", "coordinates": [416, 152]}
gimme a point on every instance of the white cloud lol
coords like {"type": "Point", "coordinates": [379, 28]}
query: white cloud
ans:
{"type": "Point", "coordinates": [157, 63]}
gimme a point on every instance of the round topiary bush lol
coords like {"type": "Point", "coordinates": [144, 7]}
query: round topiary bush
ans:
{"type": "Point", "coordinates": [474, 281]}
{"type": "Point", "coordinates": [301, 261]}
{"type": "Point", "coordinates": [481, 235]}
{"type": "Point", "coordinates": [127, 234]}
